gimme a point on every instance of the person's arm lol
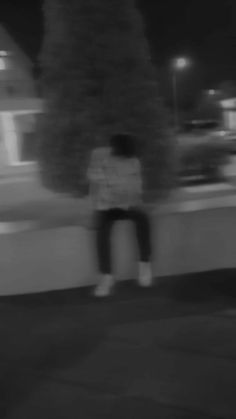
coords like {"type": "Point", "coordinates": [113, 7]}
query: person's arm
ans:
{"type": "Point", "coordinates": [96, 172]}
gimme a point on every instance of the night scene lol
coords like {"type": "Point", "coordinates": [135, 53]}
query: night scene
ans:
{"type": "Point", "coordinates": [118, 209]}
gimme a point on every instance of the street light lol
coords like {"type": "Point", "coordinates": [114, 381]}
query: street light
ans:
{"type": "Point", "coordinates": [179, 64]}
{"type": "Point", "coordinates": [212, 92]}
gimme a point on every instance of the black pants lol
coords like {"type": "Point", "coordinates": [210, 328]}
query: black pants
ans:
{"type": "Point", "coordinates": [105, 221]}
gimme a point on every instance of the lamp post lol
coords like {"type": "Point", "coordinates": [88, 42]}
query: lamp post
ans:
{"type": "Point", "coordinates": [178, 64]}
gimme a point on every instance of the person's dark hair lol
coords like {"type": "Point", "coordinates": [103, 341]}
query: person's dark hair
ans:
{"type": "Point", "coordinates": [123, 145]}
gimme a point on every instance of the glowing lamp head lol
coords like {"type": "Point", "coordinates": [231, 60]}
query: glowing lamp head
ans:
{"type": "Point", "coordinates": [181, 63]}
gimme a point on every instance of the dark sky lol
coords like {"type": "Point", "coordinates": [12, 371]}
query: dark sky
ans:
{"type": "Point", "coordinates": [24, 20]}
{"type": "Point", "coordinates": [205, 30]}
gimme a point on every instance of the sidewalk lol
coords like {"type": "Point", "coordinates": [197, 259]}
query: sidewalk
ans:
{"type": "Point", "coordinates": [23, 198]}
{"type": "Point", "coordinates": [58, 209]}
{"type": "Point", "coordinates": [166, 353]}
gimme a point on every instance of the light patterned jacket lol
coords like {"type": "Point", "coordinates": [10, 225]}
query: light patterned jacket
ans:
{"type": "Point", "coordinates": [114, 182]}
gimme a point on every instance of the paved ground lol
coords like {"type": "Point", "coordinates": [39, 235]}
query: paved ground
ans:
{"type": "Point", "coordinates": [165, 353]}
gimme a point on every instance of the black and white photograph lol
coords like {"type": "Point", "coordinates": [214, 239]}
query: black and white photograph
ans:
{"type": "Point", "coordinates": [117, 209]}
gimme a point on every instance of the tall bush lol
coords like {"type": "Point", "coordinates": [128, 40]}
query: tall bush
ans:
{"type": "Point", "coordinates": [98, 79]}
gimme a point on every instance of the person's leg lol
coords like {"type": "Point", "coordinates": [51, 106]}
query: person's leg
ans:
{"type": "Point", "coordinates": [105, 221]}
{"type": "Point", "coordinates": [103, 226]}
{"type": "Point", "coordinates": [143, 232]}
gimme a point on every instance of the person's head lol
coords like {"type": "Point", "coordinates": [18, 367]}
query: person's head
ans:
{"type": "Point", "coordinates": [123, 145]}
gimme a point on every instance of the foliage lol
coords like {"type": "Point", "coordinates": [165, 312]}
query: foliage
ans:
{"type": "Point", "coordinates": [227, 89]}
{"type": "Point", "coordinates": [98, 79]}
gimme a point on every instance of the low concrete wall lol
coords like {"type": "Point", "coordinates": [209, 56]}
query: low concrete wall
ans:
{"type": "Point", "coordinates": [195, 241]}
{"type": "Point", "coordinates": [184, 241]}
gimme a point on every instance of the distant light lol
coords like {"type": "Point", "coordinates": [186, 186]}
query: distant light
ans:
{"type": "Point", "coordinates": [212, 92]}
{"type": "Point", "coordinates": [3, 54]}
{"type": "Point", "coordinates": [222, 133]}
{"type": "Point", "coordinates": [181, 63]}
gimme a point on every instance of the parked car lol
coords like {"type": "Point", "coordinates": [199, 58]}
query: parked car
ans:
{"type": "Point", "coordinates": [198, 132]}
{"type": "Point", "coordinates": [204, 149]}
{"type": "Point", "coordinates": [230, 139]}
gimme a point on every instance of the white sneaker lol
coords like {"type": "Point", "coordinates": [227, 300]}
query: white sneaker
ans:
{"type": "Point", "coordinates": [145, 274]}
{"type": "Point", "coordinates": [104, 288]}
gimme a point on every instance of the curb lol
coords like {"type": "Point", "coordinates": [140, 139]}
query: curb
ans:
{"type": "Point", "coordinates": [201, 204]}
{"type": "Point", "coordinates": [209, 188]}
{"type": "Point", "coordinates": [17, 227]}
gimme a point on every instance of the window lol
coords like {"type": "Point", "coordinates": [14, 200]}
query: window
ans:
{"type": "Point", "coordinates": [3, 60]}
{"type": "Point", "coordinates": [2, 63]}
{"type": "Point", "coordinates": [26, 134]}
{"type": "Point", "coordinates": [19, 133]}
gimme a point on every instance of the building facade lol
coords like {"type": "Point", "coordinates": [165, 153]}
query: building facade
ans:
{"type": "Point", "coordinates": [19, 105]}
{"type": "Point", "coordinates": [229, 113]}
